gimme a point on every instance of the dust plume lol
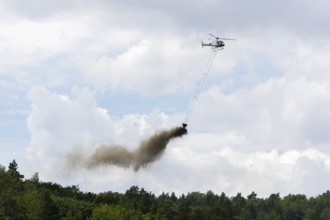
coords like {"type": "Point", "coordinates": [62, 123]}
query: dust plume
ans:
{"type": "Point", "coordinates": [148, 151]}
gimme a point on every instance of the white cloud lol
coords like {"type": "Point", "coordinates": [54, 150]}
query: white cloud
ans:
{"type": "Point", "coordinates": [156, 66]}
{"type": "Point", "coordinates": [231, 171]}
{"type": "Point", "coordinates": [279, 113]}
{"type": "Point", "coordinates": [24, 45]}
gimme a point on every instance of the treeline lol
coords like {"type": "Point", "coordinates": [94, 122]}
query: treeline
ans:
{"type": "Point", "coordinates": [33, 199]}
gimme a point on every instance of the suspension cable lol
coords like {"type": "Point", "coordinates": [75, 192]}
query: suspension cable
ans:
{"type": "Point", "coordinates": [200, 86]}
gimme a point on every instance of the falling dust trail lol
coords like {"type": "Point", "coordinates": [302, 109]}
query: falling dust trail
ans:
{"type": "Point", "coordinates": [148, 151]}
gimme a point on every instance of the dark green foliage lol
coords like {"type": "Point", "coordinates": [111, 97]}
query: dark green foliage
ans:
{"type": "Point", "coordinates": [34, 199]}
{"type": "Point", "coordinates": [11, 188]}
{"type": "Point", "coordinates": [12, 169]}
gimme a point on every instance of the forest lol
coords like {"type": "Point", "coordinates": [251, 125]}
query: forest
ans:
{"type": "Point", "coordinates": [22, 198]}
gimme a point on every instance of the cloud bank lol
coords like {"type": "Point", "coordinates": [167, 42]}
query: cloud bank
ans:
{"type": "Point", "coordinates": [238, 155]}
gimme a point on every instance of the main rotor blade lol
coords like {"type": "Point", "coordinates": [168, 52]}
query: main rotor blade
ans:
{"type": "Point", "coordinates": [213, 36]}
{"type": "Point", "coordinates": [225, 38]}
{"type": "Point", "coordinates": [221, 37]}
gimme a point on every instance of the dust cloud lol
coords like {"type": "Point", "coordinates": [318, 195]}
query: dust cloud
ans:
{"type": "Point", "coordinates": [148, 151]}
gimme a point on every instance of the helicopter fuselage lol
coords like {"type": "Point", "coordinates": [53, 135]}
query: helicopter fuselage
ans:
{"type": "Point", "coordinates": [216, 44]}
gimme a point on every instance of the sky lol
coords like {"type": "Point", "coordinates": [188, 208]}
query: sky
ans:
{"type": "Point", "coordinates": [78, 74]}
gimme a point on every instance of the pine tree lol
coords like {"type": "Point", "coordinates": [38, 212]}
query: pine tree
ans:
{"type": "Point", "coordinates": [12, 169]}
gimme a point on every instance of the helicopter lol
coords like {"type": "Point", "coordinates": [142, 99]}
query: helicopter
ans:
{"type": "Point", "coordinates": [217, 44]}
